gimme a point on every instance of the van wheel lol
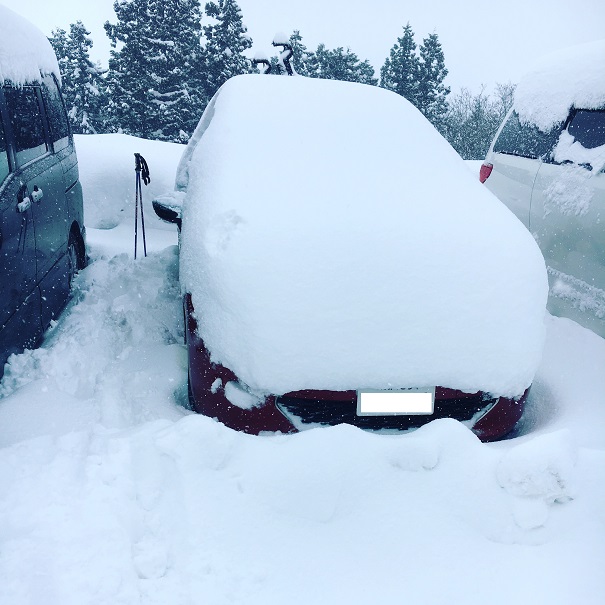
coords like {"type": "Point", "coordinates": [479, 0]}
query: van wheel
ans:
{"type": "Point", "coordinates": [190, 397]}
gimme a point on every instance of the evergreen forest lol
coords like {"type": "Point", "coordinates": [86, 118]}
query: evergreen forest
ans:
{"type": "Point", "coordinates": [169, 57]}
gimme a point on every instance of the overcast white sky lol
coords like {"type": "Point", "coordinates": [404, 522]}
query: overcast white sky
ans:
{"type": "Point", "coordinates": [483, 41]}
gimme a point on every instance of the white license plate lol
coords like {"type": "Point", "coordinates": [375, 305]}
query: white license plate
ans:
{"type": "Point", "coordinates": [403, 402]}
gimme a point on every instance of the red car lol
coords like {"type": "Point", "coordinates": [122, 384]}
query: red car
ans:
{"type": "Point", "coordinates": [332, 274]}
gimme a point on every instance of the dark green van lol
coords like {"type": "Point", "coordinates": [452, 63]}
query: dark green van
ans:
{"type": "Point", "coordinates": [42, 236]}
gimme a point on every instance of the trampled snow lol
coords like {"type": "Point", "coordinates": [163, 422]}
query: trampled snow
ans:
{"type": "Point", "coordinates": [332, 239]}
{"type": "Point", "coordinates": [25, 51]}
{"type": "Point", "coordinates": [113, 493]}
{"type": "Point", "coordinates": [572, 77]}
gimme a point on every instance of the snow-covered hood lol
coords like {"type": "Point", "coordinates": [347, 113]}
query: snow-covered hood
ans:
{"type": "Point", "coordinates": [572, 77]}
{"type": "Point", "coordinates": [333, 240]}
{"type": "Point", "coordinates": [24, 50]}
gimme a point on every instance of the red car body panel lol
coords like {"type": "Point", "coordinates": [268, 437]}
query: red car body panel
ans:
{"type": "Point", "coordinates": [498, 419]}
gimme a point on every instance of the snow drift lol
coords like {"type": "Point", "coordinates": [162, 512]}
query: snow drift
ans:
{"type": "Point", "coordinates": [333, 240]}
{"type": "Point", "coordinates": [107, 175]}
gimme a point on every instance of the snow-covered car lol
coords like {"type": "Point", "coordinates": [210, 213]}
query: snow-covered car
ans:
{"type": "Point", "coordinates": [547, 164]}
{"type": "Point", "coordinates": [340, 264]}
{"type": "Point", "coordinates": [42, 235]}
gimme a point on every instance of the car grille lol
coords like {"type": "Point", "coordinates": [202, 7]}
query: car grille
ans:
{"type": "Point", "coordinates": [322, 412]}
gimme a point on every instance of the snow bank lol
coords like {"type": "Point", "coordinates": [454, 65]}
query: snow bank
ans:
{"type": "Point", "coordinates": [333, 240]}
{"type": "Point", "coordinates": [107, 174]}
{"type": "Point", "coordinates": [24, 50]}
{"type": "Point", "coordinates": [572, 77]}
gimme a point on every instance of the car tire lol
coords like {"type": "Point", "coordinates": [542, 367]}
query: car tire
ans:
{"type": "Point", "coordinates": [190, 398]}
{"type": "Point", "coordinates": [73, 260]}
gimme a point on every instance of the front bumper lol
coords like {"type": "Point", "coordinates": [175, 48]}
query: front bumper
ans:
{"type": "Point", "coordinates": [490, 418]}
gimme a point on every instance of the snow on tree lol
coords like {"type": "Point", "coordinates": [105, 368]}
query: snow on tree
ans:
{"type": "Point", "coordinates": [471, 120]}
{"type": "Point", "coordinates": [432, 94]}
{"type": "Point", "coordinates": [335, 64]}
{"type": "Point", "coordinates": [341, 64]}
{"type": "Point", "coordinates": [400, 72]}
{"type": "Point", "coordinates": [58, 40]}
{"type": "Point", "coordinates": [226, 39]}
{"type": "Point", "coordinates": [418, 78]}
{"type": "Point", "coordinates": [302, 58]}
{"type": "Point", "coordinates": [155, 68]}
{"type": "Point", "coordinates": [82, 80]}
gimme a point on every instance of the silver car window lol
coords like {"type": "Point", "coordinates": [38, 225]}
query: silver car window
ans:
{"type": "Point", "coordinates": [588, 128]}
{"type": "Point", "coordinates": [525, 140]}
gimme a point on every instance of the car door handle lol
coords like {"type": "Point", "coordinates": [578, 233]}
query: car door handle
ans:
{"type": "Point", "coordinates": [37, 194]}
{"type": "Point", "coordinates": [24, 205]}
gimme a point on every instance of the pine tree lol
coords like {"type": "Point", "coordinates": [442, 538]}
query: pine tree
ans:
{"type": "Point", "coordinates": [302, 59]}
{"type": "Point", "coordinates": [58, 40]}
{"type": "Point", "coordinates": [432, 94]}
{"type": "Point", "coordinates": [418, 78]}
{"type": "Point", "coordinates": [155, 75]}
{"type": "Point", "coordinates": [400, 72]}
{"type": "Point", "coordinates": [82, 80]}
{"type": "Point", "coordinates": [226, 41]}
{"type": "Point", "coordinates": [341, 64]}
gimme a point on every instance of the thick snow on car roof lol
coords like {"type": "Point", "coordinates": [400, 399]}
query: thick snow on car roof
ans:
{"type": "Point", "coordinates": [24, 50]}
{"type": "Point", "coordinates": [572, 77]}
{"type": "Point", "coordinates": [333, 240]}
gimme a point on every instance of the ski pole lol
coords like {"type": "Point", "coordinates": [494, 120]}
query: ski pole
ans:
{"type": "Point", "coordinates": [141, 169]}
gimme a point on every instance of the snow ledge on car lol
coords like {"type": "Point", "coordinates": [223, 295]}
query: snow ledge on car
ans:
{"type": "Point", "coordinates": [25, 51]}
{"type": "Point", "coordinates": [572, 77]}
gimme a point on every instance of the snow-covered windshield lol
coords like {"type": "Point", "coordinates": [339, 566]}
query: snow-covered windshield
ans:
{"type": "Point", "coordinates": [332, 239]}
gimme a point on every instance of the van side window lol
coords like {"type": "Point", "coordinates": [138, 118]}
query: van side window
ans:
{"type": "Point", "coordinates": [26, 120]}
{"type": "Point", "coordinates": [525, 140]}
{"type": "Point", "coordinates": [4, 167]}
{"type": "Point", "coordinates": [588, 127]}
{"type": "Point", "coordinates": [55, 112]}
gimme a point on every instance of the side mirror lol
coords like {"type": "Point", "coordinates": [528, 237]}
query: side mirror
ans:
{"type": "Point", "coordinates": [168, 207]}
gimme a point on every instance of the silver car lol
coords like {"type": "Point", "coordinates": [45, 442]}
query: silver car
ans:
{"type": "Point", "coordinates": [553, 179]}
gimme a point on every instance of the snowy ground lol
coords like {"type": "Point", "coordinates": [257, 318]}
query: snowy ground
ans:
{"type": "Point", "coordinates": [114, 493]}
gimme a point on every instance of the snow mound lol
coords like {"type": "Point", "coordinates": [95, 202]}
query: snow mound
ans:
{"type": "Point", "coordinates": [572, 77]}
{"type": "Point", "coordinates": [332, 239]}
{"type": "Point", "coordinates": [542, 467]}
{"type": "Point", "coordinates": [24, 50]}
{"type": "Point", "coordinates": [107, 174]}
